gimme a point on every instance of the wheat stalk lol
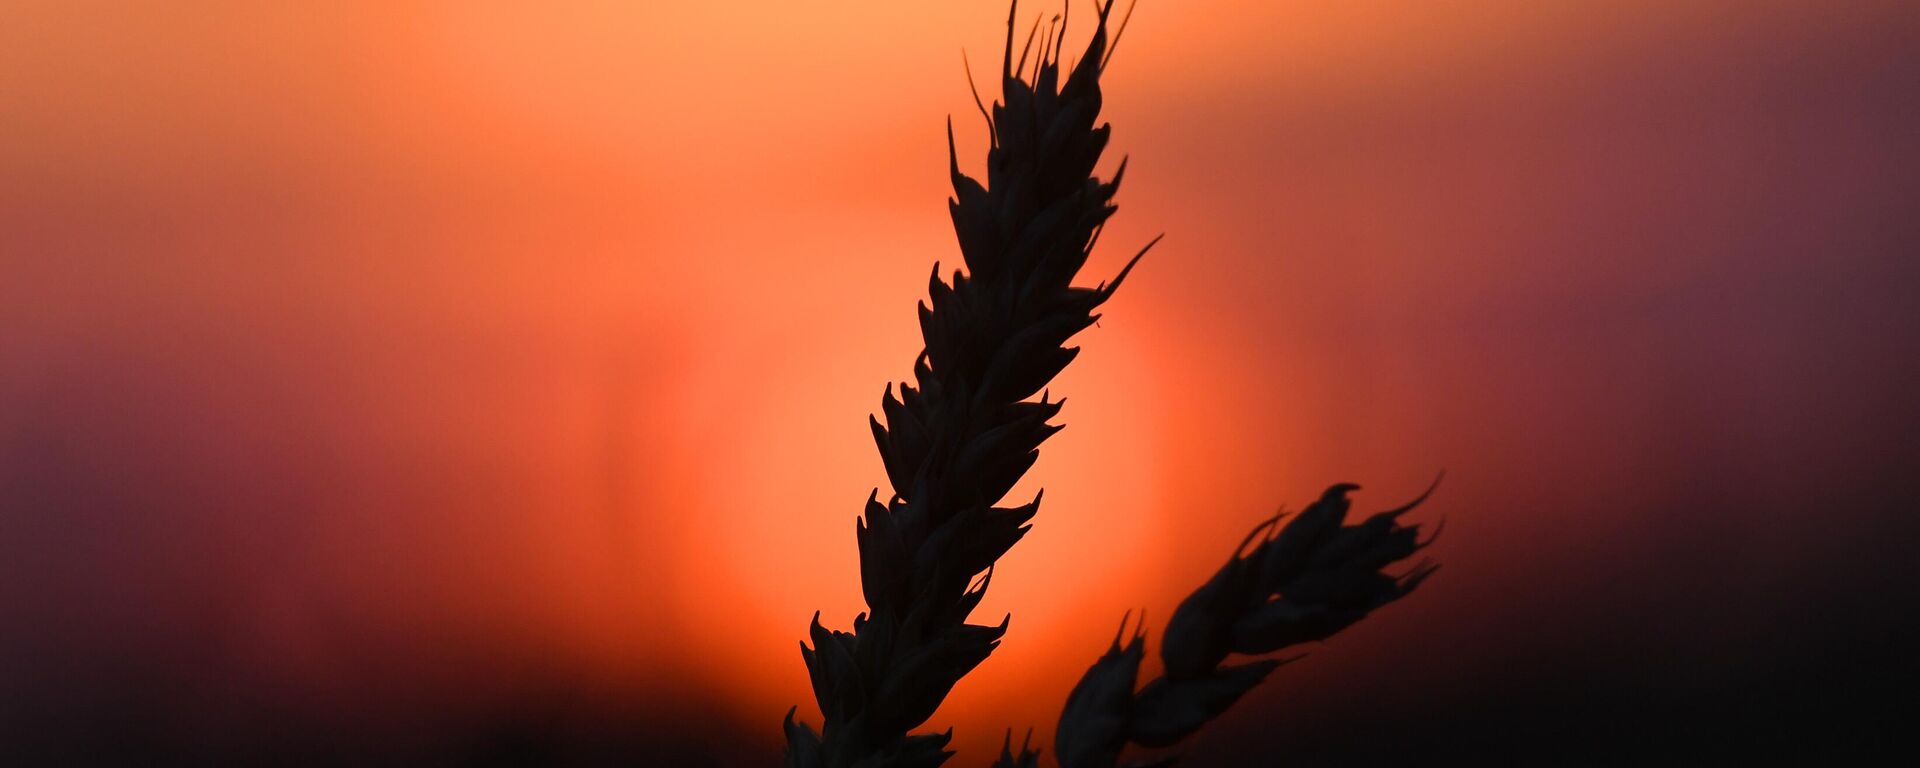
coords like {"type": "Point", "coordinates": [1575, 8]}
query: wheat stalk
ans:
{"type": "Point", "coordinates": [956, 440]}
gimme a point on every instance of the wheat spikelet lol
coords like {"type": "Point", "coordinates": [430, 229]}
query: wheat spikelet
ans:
{"type": "Point", "coordinates": [956, 440]}
{"type": "Point", "coordinates": [1027, 757]}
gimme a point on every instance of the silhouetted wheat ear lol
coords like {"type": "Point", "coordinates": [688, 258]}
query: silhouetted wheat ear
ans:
{"type": "Point", "coordinates": [1294, 584]}
{"type": "Point", "coordinates": [956, 440]}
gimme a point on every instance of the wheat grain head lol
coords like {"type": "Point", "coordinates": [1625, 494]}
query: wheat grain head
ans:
{"type": "Point", "coordinates": [956, 439]}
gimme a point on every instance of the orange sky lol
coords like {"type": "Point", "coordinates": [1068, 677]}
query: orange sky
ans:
{"type": "Point", "coordinates": [545, 339]}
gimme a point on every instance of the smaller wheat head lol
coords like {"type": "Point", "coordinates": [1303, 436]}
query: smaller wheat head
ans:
{"type": "Point", "coordinates": [1282, 587]}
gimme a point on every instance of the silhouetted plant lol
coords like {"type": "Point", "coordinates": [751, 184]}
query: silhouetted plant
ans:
{"type": "Point", "coordinates": [1297, 584]}
{"type": "Point", "coordinates": [956, 441]}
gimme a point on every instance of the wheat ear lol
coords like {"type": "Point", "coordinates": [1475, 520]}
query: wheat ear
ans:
{"type": "Point", "coordinates": [1282, 587]}
{"type": "Point", "coordinates": [956, 440]}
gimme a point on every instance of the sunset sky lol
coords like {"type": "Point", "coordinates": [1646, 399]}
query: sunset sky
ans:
{"type": "Point", "coordinates": [421, 378]}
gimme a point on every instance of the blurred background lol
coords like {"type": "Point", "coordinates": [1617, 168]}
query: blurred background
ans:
{"type": "Point", "coordinates": [471, 382]}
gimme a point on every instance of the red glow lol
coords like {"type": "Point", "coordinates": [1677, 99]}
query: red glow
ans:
{"type": "Point", "coordinates": [550, 336]}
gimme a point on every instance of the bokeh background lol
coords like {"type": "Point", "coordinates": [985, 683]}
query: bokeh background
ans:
{"type": "Point", "coordinates": [472, 382]}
